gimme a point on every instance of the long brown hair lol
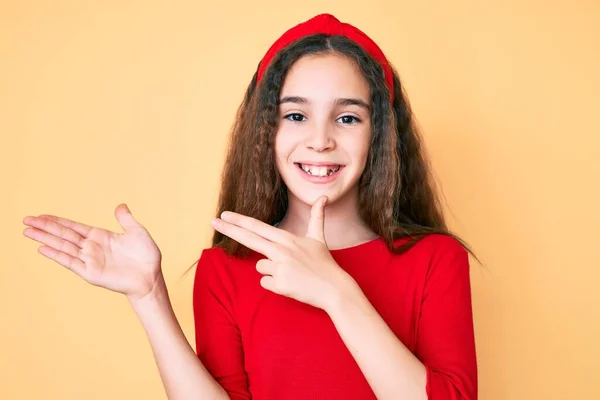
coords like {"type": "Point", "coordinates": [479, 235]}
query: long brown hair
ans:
{"type": "Point", "coordinates": [397, 196]}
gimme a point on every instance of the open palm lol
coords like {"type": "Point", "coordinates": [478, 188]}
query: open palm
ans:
{"type": "Point", "coordinates": [127, 262]}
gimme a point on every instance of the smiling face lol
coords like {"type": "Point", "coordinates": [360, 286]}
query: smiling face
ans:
{"type": "Point", "coordinates": [324, 129]}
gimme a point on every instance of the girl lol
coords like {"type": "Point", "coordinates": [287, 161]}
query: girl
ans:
{"type": "Point", "coordinates": [332, 273]}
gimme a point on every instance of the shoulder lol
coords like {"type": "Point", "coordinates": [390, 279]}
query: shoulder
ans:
{"type": "Point", "coordinates": [437, 255]}
{"type": "Point", "coordinates": [219, 258]}
{"type": "Point", "coordinates": [437, 245]}
{"type": "Point", "coordinates": [210, 266]}
{"type": "Point", "coordinates": [215, 264]}
{"type": "Point", "coordinates": [211, 255]}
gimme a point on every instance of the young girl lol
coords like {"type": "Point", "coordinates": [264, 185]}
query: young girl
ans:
{"type": "Point", "coordinates": [332, 274]}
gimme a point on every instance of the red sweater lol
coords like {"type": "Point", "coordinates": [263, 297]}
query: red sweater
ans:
{"type": "Point", "coordinates": [261, 345]}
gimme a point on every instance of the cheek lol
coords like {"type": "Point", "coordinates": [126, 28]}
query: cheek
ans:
{"type": "Point", "coordinates": [282, 153]}
{"type": "Point", "coordinates": [364, 150]}
{"type": "Point", "coordinates": [284, 146]}
{"type": "Point", "coordinates": [358, 149]}
{"type": "Point", "coordinates": [365, 146]}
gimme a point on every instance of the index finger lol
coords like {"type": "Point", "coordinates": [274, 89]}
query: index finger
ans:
{"type": "Point", "coordinates": [78, 227]}
{"type": "Point", "coordinates": [246, 237]}
{"type": "Point", "coordinates": [260, 228]}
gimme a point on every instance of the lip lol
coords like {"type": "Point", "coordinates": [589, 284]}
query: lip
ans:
{"type": "Point", "coordinates": [318, 163]}
{"type": "Point", "coordinates": [318, 179]}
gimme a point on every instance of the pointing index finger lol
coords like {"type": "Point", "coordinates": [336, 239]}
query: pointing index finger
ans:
{"type": "Point", "coordinates": [260, 228]}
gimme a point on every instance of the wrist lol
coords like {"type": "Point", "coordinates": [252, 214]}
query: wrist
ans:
{"type": "Point", "coordinates": [155, 295]}
{"type": "Point", "coordinates": [345, 293]}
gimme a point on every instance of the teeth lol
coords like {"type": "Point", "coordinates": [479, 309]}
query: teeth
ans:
{"type": "Point", "coordinates": [319, 171]}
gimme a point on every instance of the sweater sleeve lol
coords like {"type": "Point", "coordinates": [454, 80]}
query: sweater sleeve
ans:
{"type": "Point", "coordinates": [446, 343]}
{"type": "Point", "coordinates": [218, 340]}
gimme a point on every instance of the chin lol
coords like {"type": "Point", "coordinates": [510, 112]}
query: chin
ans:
{"type": "Point", "coordinates": [309, 197]}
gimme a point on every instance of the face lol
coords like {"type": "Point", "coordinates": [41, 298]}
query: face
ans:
{"type": "Point", "coordinates": [324, 128]}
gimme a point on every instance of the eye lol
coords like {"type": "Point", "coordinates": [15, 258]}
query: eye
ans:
{"type": "Point", "coordinates": [295, 117]}
{"type": "Point", "coordinates": [348, 120]}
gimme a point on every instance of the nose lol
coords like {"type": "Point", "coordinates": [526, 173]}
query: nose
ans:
{"type": "Point", "coordinates": [320, 138]}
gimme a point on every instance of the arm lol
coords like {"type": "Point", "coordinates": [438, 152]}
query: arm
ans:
{"type": "Point", "coordinates": [392, 371]}
{"type": "Point", "coordinates": [446, 367]}
{"type": "Point", "coordinates": [218, 337]}
{"type": "Point", "coordinates": [182, 373]}
{"type": "Point", "coordinates": [129, 263]}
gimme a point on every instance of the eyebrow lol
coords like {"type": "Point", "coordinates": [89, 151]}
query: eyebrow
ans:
{"type": "Point", "coordinates": [338, 102]}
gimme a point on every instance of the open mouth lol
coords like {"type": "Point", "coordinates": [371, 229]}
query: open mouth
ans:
{"type": "Point", "coordinates": [319, 170]}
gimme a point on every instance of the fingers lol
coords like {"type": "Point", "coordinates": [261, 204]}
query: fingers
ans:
{"type": "Point", "coordinates": [62, 239]}
{"type": "Point", "coordinates": [316, 222]}
{"type": "Point", "coordinates": [268, 282]}
{"type": "Point", "coordinates": [246, 237]}
{"type": "Point", "coordinates": [71, 263]}
{"type": "Point", "coordinates": [260, 228]}
{"type": "Point", "coordinates": [125, 218]}
{"type": "Point", "coordinates": [265, 266]}
{"type": "Point", "coordinates": [54, 240]}
{"type": "Point", "coordinates": [46, 230]}
{"type": "Point", "coordinates": [78, 227]}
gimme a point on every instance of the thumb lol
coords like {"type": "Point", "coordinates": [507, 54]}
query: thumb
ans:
{"type": "Point", "coordinates": [316, 223]}
{"type": "Point", "coordinates": [124, 217]}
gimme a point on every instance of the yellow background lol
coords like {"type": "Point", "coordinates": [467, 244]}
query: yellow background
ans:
{"type": "Point", "coordinates": [103, 102]}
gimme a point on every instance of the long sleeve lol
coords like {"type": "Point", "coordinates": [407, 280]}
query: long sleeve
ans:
{"type": "Point", "coordinates": [445, 342]}
{"type": "Point", "coordinates": [218, 340]}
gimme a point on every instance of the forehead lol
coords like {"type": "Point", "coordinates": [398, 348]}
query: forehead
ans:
{"type": "Point", "coordinates": [326, 76]}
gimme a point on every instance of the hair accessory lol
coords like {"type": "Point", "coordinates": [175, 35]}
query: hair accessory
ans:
{"type": "Point", "coordinates": [330, 25]}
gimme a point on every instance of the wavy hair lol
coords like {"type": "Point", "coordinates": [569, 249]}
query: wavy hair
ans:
{"type": "Point", "coordinates": [397, 196]}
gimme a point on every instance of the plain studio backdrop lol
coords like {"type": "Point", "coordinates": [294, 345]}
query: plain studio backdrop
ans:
{"type": "Point", "coordinates": [103, 102]}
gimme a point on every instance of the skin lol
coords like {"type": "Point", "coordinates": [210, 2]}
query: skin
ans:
{"type": "Point", "coordinates": [298, 265]}
{"type": "Point", "coordinates": [315, 125]}
{"type": "Point", "coordinates": [129, 263]}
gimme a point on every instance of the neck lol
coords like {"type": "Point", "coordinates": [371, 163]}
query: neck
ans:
{"type": "Point", "coordinates": [343, 226]}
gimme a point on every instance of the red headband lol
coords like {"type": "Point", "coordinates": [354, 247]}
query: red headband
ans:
{"type": "Point", "coordinates": [330, 25]}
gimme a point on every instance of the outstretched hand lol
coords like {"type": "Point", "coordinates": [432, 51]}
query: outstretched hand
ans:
{"type": "Point", "coordinates": [127, 262]}
{"type": "Point", "coordinates": [299, 267]}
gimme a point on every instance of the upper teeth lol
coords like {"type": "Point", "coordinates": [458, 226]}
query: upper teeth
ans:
{"type": "Point", "coordinates": [319, 171]}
